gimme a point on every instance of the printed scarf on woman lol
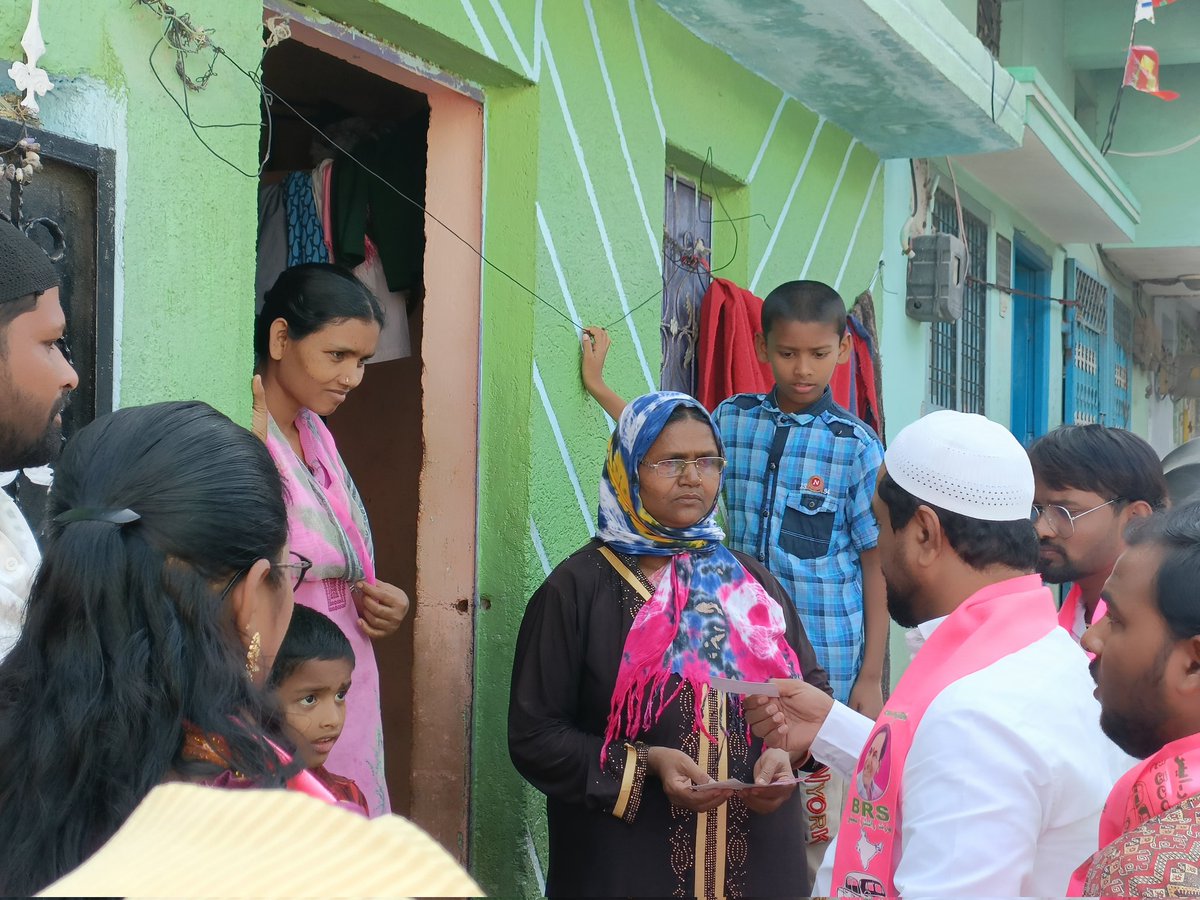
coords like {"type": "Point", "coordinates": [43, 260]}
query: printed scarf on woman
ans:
{"type": "Point", "coordinates": [326, 524]}
{"type": "Point", "coordinates": [709, 616]}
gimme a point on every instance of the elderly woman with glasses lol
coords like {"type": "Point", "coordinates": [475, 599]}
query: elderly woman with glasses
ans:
{"type": "Point", "coordinates": [163, 595]}
{"type": "Point", "coordinates": [622, 712]}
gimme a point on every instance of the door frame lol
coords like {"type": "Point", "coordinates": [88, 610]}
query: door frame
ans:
{"type": "Point", "coordinates": [443, 614]}
{"type": "Point", "coordinates": [1030, 390]}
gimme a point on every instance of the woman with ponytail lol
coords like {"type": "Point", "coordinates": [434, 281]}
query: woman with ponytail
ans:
{"type": "Point", "coordinates": [163, 595]}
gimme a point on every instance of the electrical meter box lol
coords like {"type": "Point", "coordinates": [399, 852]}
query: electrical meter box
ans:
{"type": "Point", "coordinates": [936, 276]}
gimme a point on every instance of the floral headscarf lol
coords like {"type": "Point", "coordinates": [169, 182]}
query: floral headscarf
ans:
{"type": "Point", "coordinates": [709, 617]}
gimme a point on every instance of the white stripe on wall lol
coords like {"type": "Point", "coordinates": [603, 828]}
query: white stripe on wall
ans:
{"type": "Point", "coordinates": [591, 193]}
{"type": "Point", "coordinates": [787, 205]}
{"type": "Point", "coordinates": [540, 548]}
{"type": "Point", "coordinates": [637, 34]}
{"type": "Point", "coordinates": [562, 449]}
{"type": "Point", "coordinates": [548, 239]}
{"type": "Point", "coordinates": [488, 49]}
{"type": "Point", "coordinates": [762, 149]}
{"type": "Point", "coordinates": [655, 243]}
{"type": "Point", "coordinates": [512, 37]}
{"type": "Point", "coordinates": [837, 184]}
{"type": "Point", "coordinates": [533, 858]}
{"type": "Point", "coordinates": [862, 214]}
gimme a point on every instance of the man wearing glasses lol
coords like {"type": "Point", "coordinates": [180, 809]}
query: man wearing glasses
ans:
{"type": "Point", "coordinates": [1091, 482]}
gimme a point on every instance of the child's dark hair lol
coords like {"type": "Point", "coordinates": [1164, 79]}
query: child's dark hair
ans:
{"type": "Point", "coordinates": [804, 301]}
{"type": "Point", "coordinates": [310, 296]}
{"type": "Point", "coordinates": [309, 636]}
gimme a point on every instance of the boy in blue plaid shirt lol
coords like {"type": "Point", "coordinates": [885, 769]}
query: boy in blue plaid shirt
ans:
{"type": "Point", "coordinates": [798, 484]}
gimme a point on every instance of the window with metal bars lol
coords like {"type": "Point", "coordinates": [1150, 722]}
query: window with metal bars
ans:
{"type": "Point", "coordinates": [687, 237]}
{"type": "Point", "coordinates": [1096, 386]}
{"type": "Point", "coordinates": [957, 349]}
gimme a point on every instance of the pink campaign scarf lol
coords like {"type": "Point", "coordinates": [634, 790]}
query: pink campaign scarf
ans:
{"type": "Point", "coordinates": [1146, 791]}
{"type": "Point", "coordinates": [1070, 610]}
{"type": "Point", "coordinates": [991, 624]}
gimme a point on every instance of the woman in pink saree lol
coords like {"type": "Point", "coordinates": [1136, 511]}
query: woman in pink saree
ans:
{"type": "Point", "coordinates": [317, 328]}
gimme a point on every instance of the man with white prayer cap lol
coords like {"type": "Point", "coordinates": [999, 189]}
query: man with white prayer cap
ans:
{"type": "Point", "coordinates": [987, 767]}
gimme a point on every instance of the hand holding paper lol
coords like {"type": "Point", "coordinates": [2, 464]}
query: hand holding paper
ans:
{"type": "Point", "coordinates": [791, 720]}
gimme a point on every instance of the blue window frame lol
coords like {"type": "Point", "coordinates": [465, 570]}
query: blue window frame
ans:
{"type": "Point", "coordinates": [1096, 387]}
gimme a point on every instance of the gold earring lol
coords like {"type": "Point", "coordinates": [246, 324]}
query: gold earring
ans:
{"type": "Point", "coordinates": [253, 653]}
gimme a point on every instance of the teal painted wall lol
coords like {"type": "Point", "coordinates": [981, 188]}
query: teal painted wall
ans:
{"type": "Point", "coordinates": [1166, 186]}
{"type": "Point", "coordinates": [1033, 33]}
{"type": "Point", "coordinates": [186, 223]}
{"type": "Point", "coordinates": [966, 11]}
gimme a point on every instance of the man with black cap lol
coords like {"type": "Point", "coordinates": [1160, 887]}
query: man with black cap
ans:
{"type": "Point", "coordinates": [35, 380]}
{"type": "Point", "coordinates": [986, 771]}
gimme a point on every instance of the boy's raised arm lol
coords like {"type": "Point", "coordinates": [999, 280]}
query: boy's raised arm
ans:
{"type": "Point", "coordinates": [594, 348]}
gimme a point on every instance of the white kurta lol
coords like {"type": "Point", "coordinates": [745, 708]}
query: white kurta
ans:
{"type": "Point", "coordinates": [19, 558]}
{"type": "Point", "coordinates": [1004, 781]}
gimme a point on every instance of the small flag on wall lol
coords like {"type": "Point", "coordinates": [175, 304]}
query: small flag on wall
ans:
{"type": "Point", "coordinates": [1145, 9]}
{"type": "Point", "coordinates": [1141, 72]}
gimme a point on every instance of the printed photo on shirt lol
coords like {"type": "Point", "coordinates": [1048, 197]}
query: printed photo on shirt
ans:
{"type": "Point", "coordinates": [874, 771]}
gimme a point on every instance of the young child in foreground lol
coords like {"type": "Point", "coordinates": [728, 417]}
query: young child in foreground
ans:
{"type": "Point", "coordinates": [310, 679]}
{"type": "Point", "coordinates": [798, 484]}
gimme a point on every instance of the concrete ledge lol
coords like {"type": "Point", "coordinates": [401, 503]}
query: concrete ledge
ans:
{"type": "Point", "coordinates": [903, 76]}
{"type": "Point", "coordinates": [1057, 177]}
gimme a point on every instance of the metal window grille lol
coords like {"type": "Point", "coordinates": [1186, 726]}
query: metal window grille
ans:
{"type": "Point", "coordinates": [987, 25]}
{"type": "Point", "coordinates": [958, 349]}
{"type": "Point", "coordinates": [687, 227]}
{"type": "Point", "coordinates": [1097, 388]}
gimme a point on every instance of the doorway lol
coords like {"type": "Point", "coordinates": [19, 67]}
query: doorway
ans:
{"type": "Point", "coordinates": [408, 434]}
{"type": "Point", "coordinates": [1031, 342]}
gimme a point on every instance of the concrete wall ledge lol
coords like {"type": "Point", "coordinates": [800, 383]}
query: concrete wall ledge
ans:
{"type": "Point", "coordinates": [1057, 177]}
{"type": "Point", "coordinates": [903, 76]}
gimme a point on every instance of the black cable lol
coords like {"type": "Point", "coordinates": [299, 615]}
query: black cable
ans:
{"type": "Point", "coordinates": [268, 97]}
{"type": "Point", "coordinates": [993, 90]}
{"type": "Point", "coordinates": [1112, 116]}
{"type": "Point", "coordinates": [185, 109]}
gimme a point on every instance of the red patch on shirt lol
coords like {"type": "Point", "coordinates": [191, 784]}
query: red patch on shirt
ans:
{"type": "Point", "coordinates": [816, 484]}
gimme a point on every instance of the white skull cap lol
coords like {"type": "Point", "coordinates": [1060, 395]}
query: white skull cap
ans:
{"type": "Point", "coordinates": [965, 464]}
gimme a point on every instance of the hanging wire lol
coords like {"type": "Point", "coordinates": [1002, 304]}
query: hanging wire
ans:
{"type": "Point", "coordinates": [1106, 145]}
{"type": "Point", "coordinates": [185, 39]}
{"type": "Point", "coordinates": [1178, 148]}
{"type": "Point", "coordinates": [269, 97]}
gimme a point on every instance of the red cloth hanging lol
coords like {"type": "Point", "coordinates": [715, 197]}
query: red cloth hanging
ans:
{"type": "Point", "coordinates": [727, 363]}
{"type": "Point", "coordinates": [853, 382]}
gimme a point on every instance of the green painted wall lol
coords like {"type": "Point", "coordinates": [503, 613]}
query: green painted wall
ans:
{"type": "Point", "coordinates": [186, 223]}
{"type": "Point", "coordinates": [704, 100]}
{"type": "Point", "coordinates": [577, 150]}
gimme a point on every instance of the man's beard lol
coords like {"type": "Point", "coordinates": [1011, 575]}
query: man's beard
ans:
{"type": "Point", "coordinates": [901, 605]}
{"type": "Point", "coordinates": [21, 451]}
{"type": "Point", "coordinates": [1057, 572]}
{"type": "Point", "coordinates": [1136, 729]}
